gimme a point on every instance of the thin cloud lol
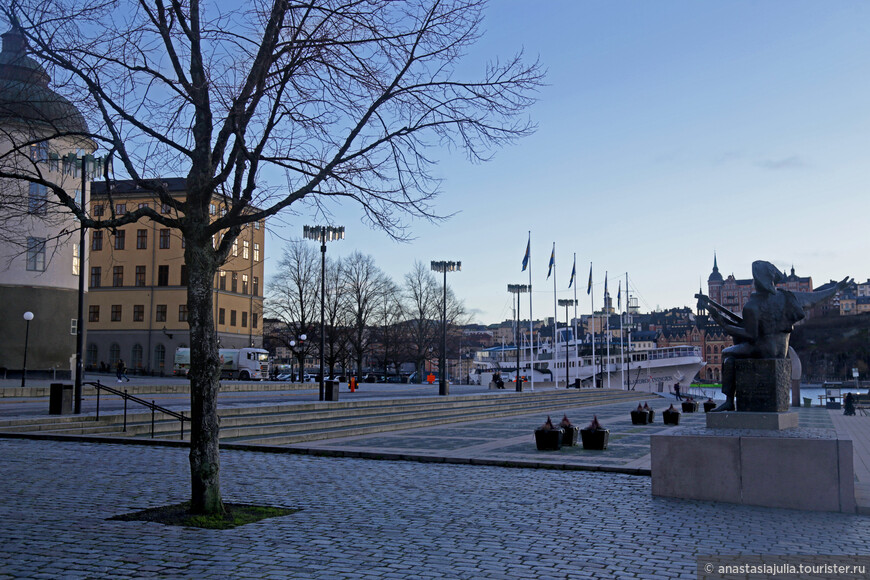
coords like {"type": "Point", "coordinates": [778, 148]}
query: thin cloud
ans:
{"type": "Point", "coordinates": [793, 162]}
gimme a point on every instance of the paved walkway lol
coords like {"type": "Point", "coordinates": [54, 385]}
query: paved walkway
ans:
{"type": "Point", "coordinates": [363, 519]}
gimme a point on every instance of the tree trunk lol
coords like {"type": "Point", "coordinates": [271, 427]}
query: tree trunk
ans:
{"type": "Point", "coordinates": [204, 382]}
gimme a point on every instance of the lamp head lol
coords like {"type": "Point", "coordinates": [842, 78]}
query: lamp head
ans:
{"type": "Point", "coordinates": [28, 316]}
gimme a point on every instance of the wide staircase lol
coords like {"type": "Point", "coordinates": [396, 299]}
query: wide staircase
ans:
{"type": "Point", "coordinates": [298, 423]}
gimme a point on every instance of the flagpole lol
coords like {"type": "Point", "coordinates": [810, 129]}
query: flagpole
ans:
{"type": "Point", "coordinates": [621, 334]}
{"type": "Point", "coordinates": [555, 313]}
{"type": "Point", "coordinates": [607, 335]}
{"type": "Point", "coordinates": [531, 318]}
{"type": "Point", "coordinates": [592, 304]}
{"type": "Point", "coordinates": [574, 280]}
{"type": "Point", "coordinates": [628, 341]}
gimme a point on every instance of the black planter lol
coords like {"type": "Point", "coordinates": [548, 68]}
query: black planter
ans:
{"type": "Point", "coordinates": [690, 406]}
{"type": "Point", "coordinates": [595, 439]}
{"type": "Point", "coordinates": [652, 414]}
{"type": "Point", "coordinates": [571, 435]}
{"type": "Point", "coordinates": [709, 406]}
{"type": "Point", "coordinates": [639, 417]}
{"type": "Point", "coordinates": [548, 439]}
{"type": "Point", "coordinates": [671, 417]}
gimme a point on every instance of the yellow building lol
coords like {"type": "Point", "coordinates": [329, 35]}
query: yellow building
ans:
{"type": "Point", "coordinates": [137, 304]}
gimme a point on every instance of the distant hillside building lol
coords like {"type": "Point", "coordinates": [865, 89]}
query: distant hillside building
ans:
{"type": "Point", "coordinates": [733, 293]}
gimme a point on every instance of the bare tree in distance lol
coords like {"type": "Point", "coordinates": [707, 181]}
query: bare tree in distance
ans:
{"type": "Point", "coordinates": [294, 294]}
{"type": "Point", "coordinates": [345, 98]}
{"type": "Point", "coordinates": [337, 316]}
{"type": "Point", "coordinates": [364, 285]}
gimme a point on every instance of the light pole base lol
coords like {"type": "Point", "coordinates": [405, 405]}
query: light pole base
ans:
{"type": "Point", "coordinates": [443, 388]}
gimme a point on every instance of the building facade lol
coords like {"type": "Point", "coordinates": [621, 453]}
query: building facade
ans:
{"type": "Point", "coordinates": [137, 303]}
{"type": "Point", "coordinates": [39, 254]}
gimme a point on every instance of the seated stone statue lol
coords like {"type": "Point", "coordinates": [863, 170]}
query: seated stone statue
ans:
{"type": "Point", "coordinates": [764, 329]}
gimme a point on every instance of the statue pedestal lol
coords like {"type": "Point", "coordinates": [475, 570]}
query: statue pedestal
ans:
{"type": "Point", "coordinates": [732, 420]}
{"type": "Point", "coordinates": [798, 468]}
{"type": "Point", "coordinates": [762, 384]}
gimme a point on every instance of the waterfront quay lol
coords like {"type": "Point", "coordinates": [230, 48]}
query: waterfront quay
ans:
{"type": "Point", "coordinates": [365, 518]}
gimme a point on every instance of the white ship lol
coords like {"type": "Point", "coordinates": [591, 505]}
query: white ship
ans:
{"type": "Point", "coordinates": [654, 370]}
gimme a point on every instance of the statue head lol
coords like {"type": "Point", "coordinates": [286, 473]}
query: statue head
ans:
{"type": "Point", "coordinates": [766, 276]}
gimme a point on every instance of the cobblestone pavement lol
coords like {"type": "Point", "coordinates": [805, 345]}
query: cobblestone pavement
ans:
{"type": "Point", "coordinates": [364, 519]}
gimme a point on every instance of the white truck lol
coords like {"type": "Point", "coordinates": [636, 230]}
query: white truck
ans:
{"type": "Point", "coordinates": [244, 364]}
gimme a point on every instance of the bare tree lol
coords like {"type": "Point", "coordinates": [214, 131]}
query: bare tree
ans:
{"type": "Point", "coordinates": [294, 297]}
{"type": "Point", "coordinates": [423, 302]}
{"type": "Point", "coordinates": [389, 330]}
{"type": "Point", "coordinates": [364, 287]}
{"type": "Point", "coordinates": [336, 316]}
{"type": "Point", "coordinates": [345, 97]}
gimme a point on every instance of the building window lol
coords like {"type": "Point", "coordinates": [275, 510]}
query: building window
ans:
{"type": "Point", "coordinates": [160, 313]}
{"type": "Point", "coordinates": [211, 209]}
{"type": "Point", "coordinates": [163, 275]}
{"type": "Point", "coordinates": [76, 262]}
{"type": "Point", "coordinates": [257, 225]}
{"type": "Point", "coordinates": [184, 279]}
{"type": "Point", "coordinates": [96, 276]}
{"type": "Point", "coordinates": [120, 208]}
{"type": "Point", "coordinates": [182, 313]}
{"type": "Point", "coordinates": [114, 355]}
{"type": "Point", "coordinates": [246, 249]}
{"type": "Point", "coordinates": [234, 283]}
{"type": "Point", "coordinates": [256, 252]}
{"type": "Point", "coordinates": [39, 151]}
{"type": "Point", "coordinates": [223, 280]}
{"type": "Point", "coordinates": [160, 358]}
{"type": "Point", "coordinates": [120, 237]}
{"type": "Point", "coordinates": [140, 275]}
{"type": "Point", "coordinates": [98, 210]}
{"type": "Point", "coordinates": [143, 205]}
{"type": "Point", "coordinates": [164, 208]}
{"type": "Point", "coordinates": [93, 313]}
{"type": "Point", "coordinates": [141, 239]}
{"type": "Point", "coordinates": [116, 313]}
{"type": "Point", "coordinates": [235, 247]}
{"type": "Point", "coordinates": [117, 276]}
{"type": "Point", "coordinates": [36, 254]}
{"type": "Point", "coordinates": [136, 357]}
{"type": "Point", "coordinates": [164, 239]}
{"type": "Point", "coordinates": [232, 317]}
{"type": "Point", "coordinates": [256, 289]}
{"type": "Point", "coordinates": [38, 199]}
{"type": "Point", "coordinates": [244, 319]}
{"type": "Point", "coordinates": [254, 319]}
{"type": "Point", "coordinates": [91, 361]}
{"type": "Point", "coordinates": [96, 241]}
{"type": "Point", "coordinates": [222, 316]}
{"type": "Point", "coordinates": [138, 313]}
{"type": "Point", "coordinates": [244, 283]}
{"type": "Point", "coordinates": [73, 326]}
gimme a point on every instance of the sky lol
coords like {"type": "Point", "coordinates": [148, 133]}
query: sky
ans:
{"type": "Point", "coordinates": [668, 132]}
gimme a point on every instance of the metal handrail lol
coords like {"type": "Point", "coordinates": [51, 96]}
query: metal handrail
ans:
{"type": "Point", "coordinates": [126, 396]}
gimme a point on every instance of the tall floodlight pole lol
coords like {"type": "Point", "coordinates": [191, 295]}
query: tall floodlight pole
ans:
{"type": "Point", "coordinates": [90, 164]}
{"type": "Point", "coordinates": [28, 316]}
{"type": "Point", "coordinates": [519, 289]}
{"type": "Point", "coordinates": [444, 267]}
{"type": "Point", "coordinates": [566, 302]}
{"type": "Point", "coordinates": [323, 234]}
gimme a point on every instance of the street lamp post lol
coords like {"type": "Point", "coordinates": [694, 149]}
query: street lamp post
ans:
{"type": "Point", "coordinates": [324, 234]}
{"type": "Point", "coordinates": [28, 316]}
{"type": "Point", "coordinates": [444, 267]}
{"type": "Point", "coordinates": [302, 338]}
{"type": "Point", "coordinates": [519, 289]}
{"type": "Point", "coordinates": [566, 302]}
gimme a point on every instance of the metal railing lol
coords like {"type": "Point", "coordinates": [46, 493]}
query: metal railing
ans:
{"type": "Point", "coordinates": [126, 396]}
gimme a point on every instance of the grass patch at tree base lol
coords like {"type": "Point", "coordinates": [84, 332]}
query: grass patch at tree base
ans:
{"type": "Point", "coordinates": [235, 515]}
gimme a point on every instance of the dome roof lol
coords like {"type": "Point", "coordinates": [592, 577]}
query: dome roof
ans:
{"type": "Point", "coordinates": [24, 92]}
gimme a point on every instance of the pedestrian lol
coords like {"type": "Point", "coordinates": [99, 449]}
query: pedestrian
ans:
{"type": "Point", "coordinates": [677, 392]}
{"type": "Point", "coordinates": [122, 370]}
{"type": "Point", "coordinates": [849, 404]}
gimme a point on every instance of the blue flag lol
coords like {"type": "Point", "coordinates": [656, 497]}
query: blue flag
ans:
{"type": "Point", "coordinates": [573, 273]}
{"type": "Point", "coordinates": [552, 261]}
{"type": "Point", "coordinates": [526, 257]}
{"type": "Point", "coordinates": [589, 286]}
{"type": "Point", "coordinates": [619, 297]}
